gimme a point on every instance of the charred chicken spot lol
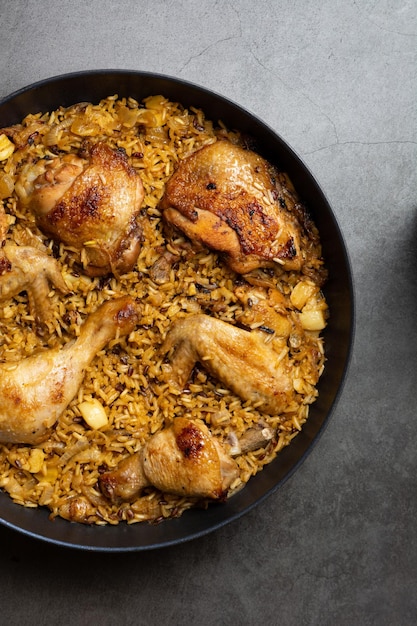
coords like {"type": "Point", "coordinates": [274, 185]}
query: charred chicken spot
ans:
{"type": "Point", "coordinates": [211, 186]}
{"type": "Point", "coordinates": [249, 225]}
{"type": "Point", "coordinates": [126, 313]}
{"type": "Point", "coordinates": [288, 251]}
{"type": "Point", "coordinates": [230, 219]}
{"type": "Point", "coordinates": [90, 201]}
{"type": "Point", "coordinates": [57, 214]}
{"type": "Point", "coordinates": [80, 208]}
{"type": "Point", "coordinates": [256, 210]}
{"type": "Point", "coordinates": [190, 442]}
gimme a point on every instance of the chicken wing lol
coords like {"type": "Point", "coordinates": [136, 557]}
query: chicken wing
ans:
{"type": "Point", "coordinates": [184, 459]}
{"type": "Point", "coordinates": [25, 268]}
{"type": "Point", "coordinates": [241, 360]}
{"type": "Point", "coordinates": [89, 203]}
{"type": "Point", "coordinates": [35, 391]}
{"type": "Point", "coordinates": [233, 201]}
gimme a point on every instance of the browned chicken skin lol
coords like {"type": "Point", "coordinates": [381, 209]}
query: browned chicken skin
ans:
{"type": "Point", "coordinates": [183, 459]}
{"type": "Point", "coordinates": [91, 203]}
{"type": "Point", "coordinates": [233, 201]}
{"type": "Point", "coordinates": [36, 390]}
{"type": "Point", "coordinates": [241, 360]}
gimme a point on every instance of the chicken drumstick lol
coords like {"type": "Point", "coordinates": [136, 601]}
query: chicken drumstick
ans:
{"type": "Point", "coordinates": [36, 390]}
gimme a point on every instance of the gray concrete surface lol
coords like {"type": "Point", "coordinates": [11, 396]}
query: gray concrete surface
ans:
{"type": "Point", "coordinates": [337, 545]}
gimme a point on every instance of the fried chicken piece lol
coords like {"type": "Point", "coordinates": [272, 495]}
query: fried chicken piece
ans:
{"type": "Point", "coordinates": [240, 359]}
{"type": "Point", "coordinates": [89, 203]}
{"type": "Point", "coordinates": [25, 268]}
{"type": "Point", "coordinates": [184, 459]}
{"type": "Point", "coordinates": [36, 390]}
{"type": "Point", "coordinates": [233, 201]}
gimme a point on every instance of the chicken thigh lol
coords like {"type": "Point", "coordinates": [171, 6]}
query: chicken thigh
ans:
{"type": "Point", "coordinates": [89, 203]}
{"type": "Point", "coordinates": [233, 201]}
{"type": "Point", "coordinates": [36, 390]}
{"type": "Point", "coordinates": [184, 459]}
{"type": "Point", "coordinates": [241, 360]}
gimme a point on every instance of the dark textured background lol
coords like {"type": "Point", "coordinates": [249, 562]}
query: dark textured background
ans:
{"type": "Point", "coordinates": [337, 543]}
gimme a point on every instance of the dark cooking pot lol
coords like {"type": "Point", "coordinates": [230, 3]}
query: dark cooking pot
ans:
{"type": "Point", "coordinates": [93, 86]}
